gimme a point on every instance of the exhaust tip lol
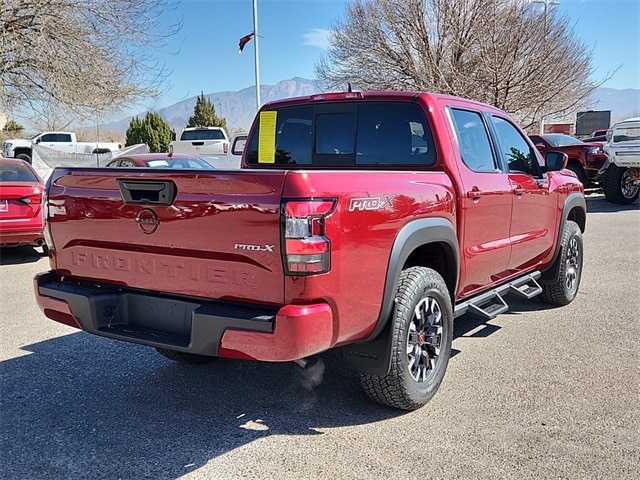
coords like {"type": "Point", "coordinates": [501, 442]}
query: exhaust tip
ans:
{"type": "Point", "coordinates": [307, 362]}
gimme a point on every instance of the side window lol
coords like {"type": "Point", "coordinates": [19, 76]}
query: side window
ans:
{"type": "Point", "coordinates": [516, 151]}
{"type": "Point", "coordinates": [64, 137]}
{"type": "Point", "coordinates": [473, 140]}
{"type": "Point", "coordinates": [49, 137]}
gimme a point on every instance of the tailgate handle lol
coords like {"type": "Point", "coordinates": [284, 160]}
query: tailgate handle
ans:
{"type": "Point", "coordinates": [148, 192]}
{"type": "Point", "coordinates": [197, 144]}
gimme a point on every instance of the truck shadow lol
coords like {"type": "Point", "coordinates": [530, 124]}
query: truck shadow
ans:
{"type": "Point", "coordinates": [19, 255]}
{"type": "Point", "coordinates": [77, 402]}
{"type": "Point", "coordinates": [597, 203]}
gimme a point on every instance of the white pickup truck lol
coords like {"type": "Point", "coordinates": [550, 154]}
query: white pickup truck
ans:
{"type": "Point", "coordinates": [621, 171]}
{"type": "Point", "coordinates": [61, 141]}
{"type": "Point", "coordinates": [210, 143]}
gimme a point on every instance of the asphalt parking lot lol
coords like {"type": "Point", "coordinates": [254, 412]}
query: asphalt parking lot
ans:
{"type": "Point", "coordinates": [537, 392]}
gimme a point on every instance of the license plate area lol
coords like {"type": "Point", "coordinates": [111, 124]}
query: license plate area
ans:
{"type": "Point", "coordinates": [147, 318]}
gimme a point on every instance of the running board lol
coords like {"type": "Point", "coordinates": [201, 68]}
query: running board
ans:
{"type": "Point", "coordinates": [527, 290]}
{"type": "Point", "coordinates": [490, 304]}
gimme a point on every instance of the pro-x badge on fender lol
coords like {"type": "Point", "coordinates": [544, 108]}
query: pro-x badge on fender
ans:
{"type": "Point", "coordinates": [147, 220]}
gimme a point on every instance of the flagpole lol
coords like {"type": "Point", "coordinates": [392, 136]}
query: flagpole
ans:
{"type": "Point", "coordinates": [255, 39]}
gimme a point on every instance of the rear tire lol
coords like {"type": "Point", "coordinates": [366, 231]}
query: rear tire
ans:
{"type": "Point", "coordinates": [183, 357]}
{"type": "Point", "coordinates": [616, 185]}
{"type": "Point", "coordinates": [421, 343]}
{"type": "Point", "coordinates": [564, 290]}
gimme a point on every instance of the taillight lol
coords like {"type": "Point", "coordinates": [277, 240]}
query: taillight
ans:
{"type": "Point", "coordinates": [30, 199]}
{"type": "Point", "coordinates": [225, 147]}
{"type": "Point", "coordinates": [170, 150]}
{"type": "Point", "coordinates": [307, 250]}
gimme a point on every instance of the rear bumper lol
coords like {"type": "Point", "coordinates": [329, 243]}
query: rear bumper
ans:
{"type": "Point", "coordinates": [198, 326]}
{"type": "Point", "coordinates": [30, 237]}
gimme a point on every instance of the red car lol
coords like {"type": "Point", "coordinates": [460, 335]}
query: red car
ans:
{"type": "Point", "coordinates": [585, 159]}
{"type": "Point", "coordinates": [21, 212]}
{"type": "Point", "coordinates": [160, 160]}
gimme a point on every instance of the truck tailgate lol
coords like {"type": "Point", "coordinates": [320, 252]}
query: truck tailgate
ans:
{"type": "Point", "coordinates": [214, 235]}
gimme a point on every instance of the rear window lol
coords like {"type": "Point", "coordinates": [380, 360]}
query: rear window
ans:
{"type": "Point", "coordinates": [343, 135]}
{"type": "Point", "coordinates": [16, 173]}
{"type": "Point", "coordinates": [203, 134]}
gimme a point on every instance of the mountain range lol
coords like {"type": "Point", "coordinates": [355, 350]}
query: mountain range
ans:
{"type": "Point", "coordinates": [239, 108]}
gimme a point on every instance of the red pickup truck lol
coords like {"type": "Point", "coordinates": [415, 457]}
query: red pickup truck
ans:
{"type": "Point", "coordinates": [361, 220]}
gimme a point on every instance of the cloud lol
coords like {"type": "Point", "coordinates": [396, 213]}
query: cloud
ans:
{"type": "Point", "coordinates": [317, 37]}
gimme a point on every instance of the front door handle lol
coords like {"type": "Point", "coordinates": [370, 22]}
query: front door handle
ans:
{"type": "Point", "coordinates": [475, 193]}
{"type": "Point", "coordinates": [519, 192]}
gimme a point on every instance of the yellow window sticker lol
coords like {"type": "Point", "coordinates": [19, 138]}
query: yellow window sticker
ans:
{"type": "Point", "coordinates": [267, 137]}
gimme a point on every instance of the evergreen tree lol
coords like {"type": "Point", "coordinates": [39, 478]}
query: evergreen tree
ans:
{"type": "Point", "coordinates": [204, 115]}
{"type": "Point", "coordinates": [13, 127]}
{"type": "Point", "coordinates": [152, 130]}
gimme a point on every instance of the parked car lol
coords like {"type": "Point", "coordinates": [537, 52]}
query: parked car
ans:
{"type": "Point", "coordinates": [597, 138]}
{"type": "Point", "coordinates": [160, 160]}
{"type": "Point", "coordinates": [21, 212]}
{"type": "Point", "coordinates": [585, 159]}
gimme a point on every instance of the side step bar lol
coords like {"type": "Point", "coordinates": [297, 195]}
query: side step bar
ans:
{"type": "Point", "coordinates": [491, 304]}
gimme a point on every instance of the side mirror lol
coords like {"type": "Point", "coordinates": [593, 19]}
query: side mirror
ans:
{"type": "Point", "coordinates": [38, 139]}
{"type": "Point", "coordinates": [555, 161]}
{"type": "Point", "coordinates": [541, 147]}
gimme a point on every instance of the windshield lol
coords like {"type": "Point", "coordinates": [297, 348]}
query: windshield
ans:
{"type": "Point", "coordinates": [561, 140]}
{"type": "Point", "coordinates": [626, 133]}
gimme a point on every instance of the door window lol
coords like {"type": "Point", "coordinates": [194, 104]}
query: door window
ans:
{"type": "Point", "coordinates": [473, 140]}
{"type": "Point", "coordinates": [516, 151]}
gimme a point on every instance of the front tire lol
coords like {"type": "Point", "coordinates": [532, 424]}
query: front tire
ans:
{"type": "Point", "coordinates": [183, 357]}
{"type": "Point", "coordinates": [564, 290]}
{"type": "Point", "coordinates": [25, 157]}
{"type": "Point", "coordinates": [421, 343]}
{"type": "Point", "coordinates": [617, 186]}
{"type": "Point", "coordinates": [579, 171]}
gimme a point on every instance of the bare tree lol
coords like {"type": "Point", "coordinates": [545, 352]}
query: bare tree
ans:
{"type": "Point", "coordinates": [508, 53]}
{"type": "Point", "coordinates": [86, 57]}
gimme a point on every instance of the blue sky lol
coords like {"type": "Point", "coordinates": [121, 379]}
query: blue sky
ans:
{"type": "Point", "coordinates": [203, 56]}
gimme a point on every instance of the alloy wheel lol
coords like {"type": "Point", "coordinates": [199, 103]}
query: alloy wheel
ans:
{"type": "Point", "coordinates": [424, 339]}
{"type": "Point", "coordinates": [573, 264]}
